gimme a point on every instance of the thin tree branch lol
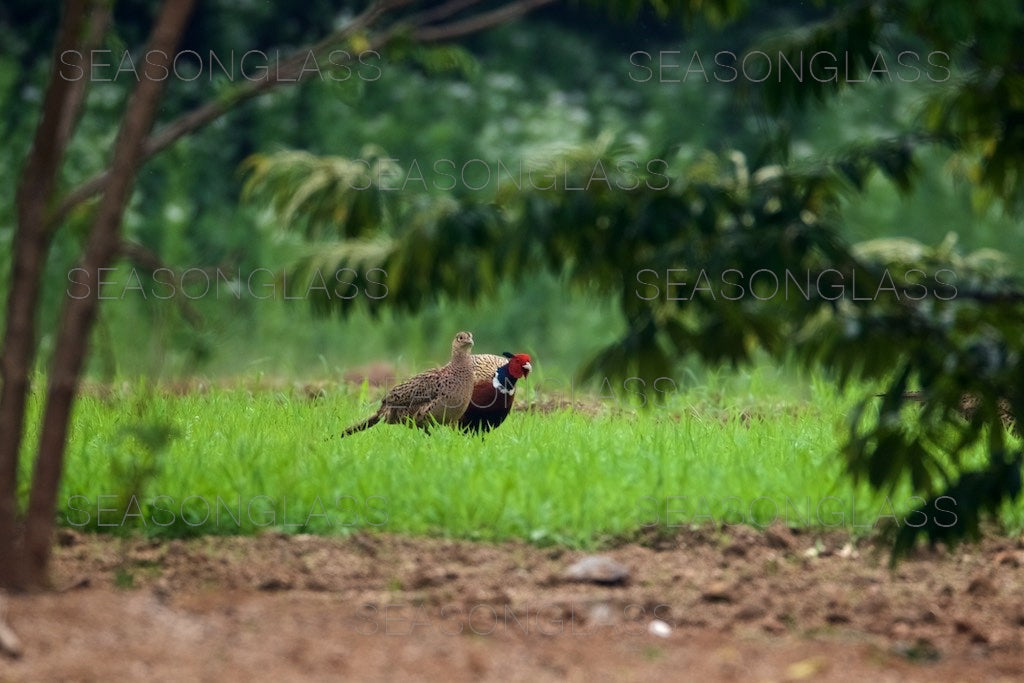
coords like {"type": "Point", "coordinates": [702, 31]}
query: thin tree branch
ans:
{"type": "Point", "coordinates": [289, 70]}
{"type": "Point", "coordinates": [99, 19]}
{"type": "Point", "coordinates": [479, 22]}
{"type": "Point", "coordinates": [442, 11]}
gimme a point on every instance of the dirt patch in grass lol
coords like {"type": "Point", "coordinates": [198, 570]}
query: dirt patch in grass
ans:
{"type": "Point", "coordinates": [769, 605]}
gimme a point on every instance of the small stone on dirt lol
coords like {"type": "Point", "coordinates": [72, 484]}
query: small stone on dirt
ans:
{"type": "Point", "coordinates": [973, 632]}
{"type": "Point", "coordinates": [600, 613]}
{"type": "Point", "coordinates": [10, 645]}
{"type": "Point", "coordinates": [1010, 558]}
{"type": "Point", "coordinates": [597, 569]}
{"type": "Point", "coordinates": [275, 584]}
{"type": "Point", "coordinates": [659, 628]}
{"type": "Point", "coordinates": [751, 612]}
{"type": "Point", "coordinates": [427, 578]}
{"type": "Point", "coordinates": [67, 538]}
{"type": "Point", "coordinates": [836, 618]}
{"type": "Point", "coordinates": [735, 550]}
{"type": "Point", "coordinates": [779, 537]}
{"type": "Point", "coordinates": [812, 667]}
{"type": "Point", "coordinates": [982, 586]}
{"type": "Point", "coordinates": [162, 589]}
{"type": "Point", "coordinates": [77, 584]}
{"type": "Point", "coordinates": [719, 591]}
{"type": "Point", "coordinates": [899, 630]}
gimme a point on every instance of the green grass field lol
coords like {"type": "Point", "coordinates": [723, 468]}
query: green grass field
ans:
{"type": "Point", "coordinates": [751, 448]}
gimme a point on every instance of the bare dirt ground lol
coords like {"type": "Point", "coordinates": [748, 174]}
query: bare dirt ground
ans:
{"type": "Point", "coordinates": [749, 605]}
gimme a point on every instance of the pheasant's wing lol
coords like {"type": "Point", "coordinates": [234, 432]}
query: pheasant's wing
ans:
{"type": "Point", "coordinates": [485, 365]}
{"type": "Point", "coordinates": [445, 406]}
{"type": "Point", "coordinates": [420, 390]}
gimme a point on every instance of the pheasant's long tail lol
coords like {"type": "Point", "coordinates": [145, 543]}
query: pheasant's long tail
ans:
{"type": "Point", "coordinates": [365, 424]}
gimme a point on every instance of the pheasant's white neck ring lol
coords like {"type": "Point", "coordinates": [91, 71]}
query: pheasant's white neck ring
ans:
{"type": "Point", "coordinates": [503, 387]}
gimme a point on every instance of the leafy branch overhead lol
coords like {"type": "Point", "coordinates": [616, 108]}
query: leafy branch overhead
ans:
{"type": "Point", "coordinates": [969, 54]}
{"type": "Point", "coordinates": [720, 254]}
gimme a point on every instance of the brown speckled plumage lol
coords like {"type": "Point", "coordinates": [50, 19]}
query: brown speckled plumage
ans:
{"type": "Point", "coordinates": [485, 365]}
{"type": "Point", "coordinates": [440, 395]}
{"type": "Point", "coordinates": [969, 405]}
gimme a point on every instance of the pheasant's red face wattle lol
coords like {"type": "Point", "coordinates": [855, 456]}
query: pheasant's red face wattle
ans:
{"type": "Point", "coordinates": [519, 365]}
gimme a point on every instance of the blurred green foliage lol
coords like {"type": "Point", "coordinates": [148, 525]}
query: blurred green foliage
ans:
{"type": "Point", "coordinates": [897, 313]}
{"type": "Point", "coordinates": [652, 174]}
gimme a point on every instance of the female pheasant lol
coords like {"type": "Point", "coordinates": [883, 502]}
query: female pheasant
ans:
{"type": "Point", "coordinates": [435, 396]}
{"type": "Point", "coordinates": [494, 388]}
{"type": "Point", "coordinates": [969, 406]}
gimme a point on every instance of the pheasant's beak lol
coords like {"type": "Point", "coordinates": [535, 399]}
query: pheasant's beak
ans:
{"type": "Point", "coordinates": [526, 368]}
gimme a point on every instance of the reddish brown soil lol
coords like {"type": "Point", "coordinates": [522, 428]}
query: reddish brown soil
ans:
{"type": "Point", "coordinates": [749, 606]}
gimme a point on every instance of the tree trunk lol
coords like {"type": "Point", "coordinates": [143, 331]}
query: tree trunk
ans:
{"type": "Point", "coordinates": [61, 108]}
{"type": "Point", "coordinates": [80, 308]}
{"type": "Point", "coordinates": [39, 216]}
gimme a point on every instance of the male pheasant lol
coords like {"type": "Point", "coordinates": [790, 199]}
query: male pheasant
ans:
{"type": "Point", "coordinates": [494, 388]}
{"type": "Point", "coordinates": [435, 396]}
